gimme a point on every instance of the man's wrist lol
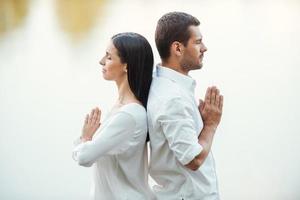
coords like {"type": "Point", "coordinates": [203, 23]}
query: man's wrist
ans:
{"type": "Point", "coordinates": [210, 128]}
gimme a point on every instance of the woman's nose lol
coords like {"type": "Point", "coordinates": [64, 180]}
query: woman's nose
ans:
{"type": "Point", "coordinates": [101, 62]}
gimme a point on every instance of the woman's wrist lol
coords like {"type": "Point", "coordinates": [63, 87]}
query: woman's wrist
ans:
{"type": "Point", "coordinates": [86, 138]}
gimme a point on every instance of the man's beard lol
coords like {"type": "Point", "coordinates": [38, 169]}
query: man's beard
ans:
{"type": "Point", "coordinates": [188, 64]}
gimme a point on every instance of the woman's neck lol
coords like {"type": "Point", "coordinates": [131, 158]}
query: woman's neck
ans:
{"type": "Point", "coordinates": [125, 93]}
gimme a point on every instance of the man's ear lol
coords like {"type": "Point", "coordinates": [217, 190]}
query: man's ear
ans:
{"type": "Point", "coordinates": [177, 48]}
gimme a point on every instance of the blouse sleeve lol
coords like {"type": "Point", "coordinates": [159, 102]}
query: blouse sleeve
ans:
{"type": "Point", "coordinates": [114, 138]}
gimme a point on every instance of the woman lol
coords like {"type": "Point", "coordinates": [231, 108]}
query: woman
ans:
{"type": "Point", "coordinates": [118, 149]}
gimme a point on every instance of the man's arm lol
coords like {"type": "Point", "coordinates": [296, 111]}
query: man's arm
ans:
{"type": "Point", "coordinates": [211, 112]}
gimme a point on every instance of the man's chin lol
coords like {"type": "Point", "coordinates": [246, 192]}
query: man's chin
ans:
{"type": "Point", "coordinates": [196, 67]}
{"type": "Point", "coordinates": [192, 66]}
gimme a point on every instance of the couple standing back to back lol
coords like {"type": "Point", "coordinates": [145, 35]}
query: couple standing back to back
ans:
{"type": "Point", "coordinates": [160, 105]}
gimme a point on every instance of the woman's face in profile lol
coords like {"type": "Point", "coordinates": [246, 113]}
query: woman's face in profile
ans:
{"type": "Point", "coordinates": [112, 68]}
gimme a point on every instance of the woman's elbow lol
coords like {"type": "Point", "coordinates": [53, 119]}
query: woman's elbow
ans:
{"type": "Point", "coordinates": [82, 160]}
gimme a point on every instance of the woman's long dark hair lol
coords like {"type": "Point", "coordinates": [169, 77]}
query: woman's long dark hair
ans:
{"type": "Point", "coordinates": [136, 52]}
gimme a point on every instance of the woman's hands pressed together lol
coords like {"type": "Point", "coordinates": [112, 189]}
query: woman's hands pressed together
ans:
{"type": "Point", "coordinates": [91, 124]}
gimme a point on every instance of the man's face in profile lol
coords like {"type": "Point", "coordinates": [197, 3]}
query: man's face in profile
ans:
{"type": "Point", "coordinates": [194, 50]}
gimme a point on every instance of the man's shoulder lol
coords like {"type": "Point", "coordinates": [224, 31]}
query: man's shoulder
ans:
{"type": "Point", "coordinates": [164, 93]}
{"type": "Point", "coordinates": [157, 80]}
{"type": "Point", "coordinates": [164, 88]}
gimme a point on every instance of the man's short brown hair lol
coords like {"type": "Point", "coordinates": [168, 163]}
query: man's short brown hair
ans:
{"type": "Point", "coordinates": [172, 27]}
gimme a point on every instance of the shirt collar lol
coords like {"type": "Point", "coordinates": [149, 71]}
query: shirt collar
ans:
{"type": "Point", "coordinates": [184, 81]}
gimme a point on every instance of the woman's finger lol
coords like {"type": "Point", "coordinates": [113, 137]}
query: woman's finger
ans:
{"type": "Point", "coordinates": [98, 117]}
{"type": "Point", "coordinates": [95, 116]}
{"type": "Point", "coordinates": [86, 120]}
{"type": "Point", "coordinates": [91, 116]}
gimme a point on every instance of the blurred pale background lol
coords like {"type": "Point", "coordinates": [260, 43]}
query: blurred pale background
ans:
{"type": "Point", "coordinates": [50, 77]}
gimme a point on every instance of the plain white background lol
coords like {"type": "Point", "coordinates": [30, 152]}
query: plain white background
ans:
{"type": "Point", "coordinates": [50, 78]}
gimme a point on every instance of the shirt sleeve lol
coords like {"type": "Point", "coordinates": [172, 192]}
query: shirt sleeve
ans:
{"type": "Point", "coordinates": [114, 138]}
{"type": "Point", "coordinates": [179, 129]}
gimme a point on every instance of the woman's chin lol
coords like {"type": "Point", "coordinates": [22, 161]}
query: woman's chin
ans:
{"type": "Point", "coordinates": [106, 78]}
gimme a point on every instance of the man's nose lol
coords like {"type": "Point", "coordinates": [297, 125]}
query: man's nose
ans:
{"type": "Point", "coordinates": [203, 48]}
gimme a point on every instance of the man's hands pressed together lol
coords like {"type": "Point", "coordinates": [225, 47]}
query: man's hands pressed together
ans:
{"type": "Point", "coordinates": [211, 108]}
{"type": "Point", "coordinates": [211, 111]}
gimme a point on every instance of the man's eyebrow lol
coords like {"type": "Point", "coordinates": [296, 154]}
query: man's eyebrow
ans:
{"type": "Point", "coordinates": [107, 53]}
{"type": "Point", "coordinates": [199, 39]}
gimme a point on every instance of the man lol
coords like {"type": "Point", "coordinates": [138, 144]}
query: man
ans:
{"type": "Point", "coordinates": [181, 131]}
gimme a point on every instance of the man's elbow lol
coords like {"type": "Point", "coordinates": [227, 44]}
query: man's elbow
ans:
{"type": "Point", "coordinates": [195, 164]}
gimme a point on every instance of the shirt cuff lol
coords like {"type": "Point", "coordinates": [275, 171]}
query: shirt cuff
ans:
{"type": "Point", "coordinates": [190, 154]}
{"type": "Point", "coordinates": [77, 142]}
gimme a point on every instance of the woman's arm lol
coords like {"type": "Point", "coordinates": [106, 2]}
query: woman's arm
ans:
{"type": "Point", "coordinates": [114, 138]}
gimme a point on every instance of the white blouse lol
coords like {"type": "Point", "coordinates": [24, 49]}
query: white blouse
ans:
{"type": "Point", "coordinates": [118, 154]}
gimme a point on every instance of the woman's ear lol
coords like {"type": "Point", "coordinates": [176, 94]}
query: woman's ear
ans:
{"type": "Point", "coordinates": [125, 68]}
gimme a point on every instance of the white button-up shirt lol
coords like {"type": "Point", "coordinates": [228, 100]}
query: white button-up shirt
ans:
{"type": "Point", "coordinates": [118, 154]}
{"type": "Point", "coordinates": [174, 125]}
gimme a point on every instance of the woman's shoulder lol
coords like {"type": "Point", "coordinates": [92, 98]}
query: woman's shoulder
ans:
{"type": "Point", "coordinates": [135, 110]}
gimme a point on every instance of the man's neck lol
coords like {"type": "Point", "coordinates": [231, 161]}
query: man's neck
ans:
{"type": "Point", "coordinates": [174, 66]}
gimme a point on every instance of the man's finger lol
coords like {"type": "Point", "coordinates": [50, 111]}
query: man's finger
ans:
{"type": "Point", "coordinates": [213, 95]}
{"type": "Point", "coordinates": [221, 102]}
{"type": "Point", "coordinates": [201, 104]}
{"type": "Point", "coordinates": [207, 95]}
{"type": "Point", "coordinates": [217, 102]}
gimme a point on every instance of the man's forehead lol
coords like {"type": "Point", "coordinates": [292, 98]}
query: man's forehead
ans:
{"type": "Point", "coordinates": [195, 32]}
